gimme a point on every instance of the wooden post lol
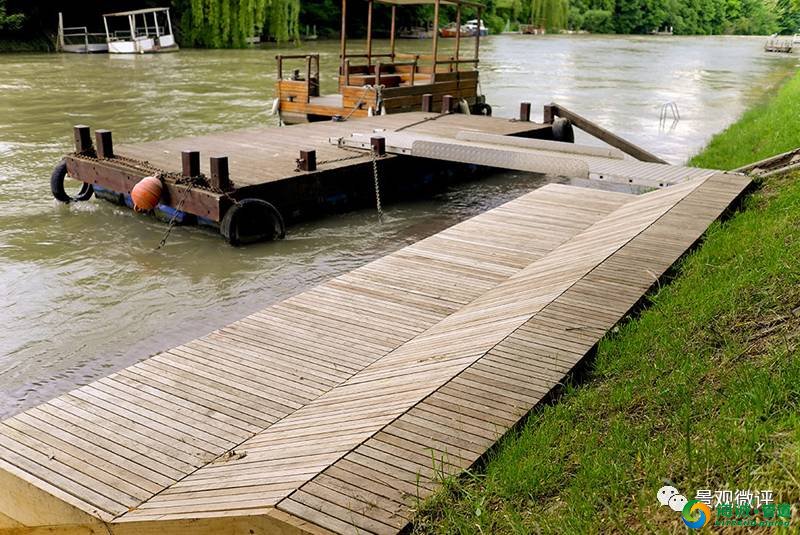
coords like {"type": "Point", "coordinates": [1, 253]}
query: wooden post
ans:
{"type": "Point", "coordinates": [378, 145]}
{"type": "Point", "coordinates": [427, 102]}
{"type": "Point", "coordinates": [280, 66]}
{"type": "Point", "coordinates": [378, 73]}
{"type": "Point", "coordinates": [525, 111]}
{"type": "Point", "coordinates": [369, 32]}
{"type": "Point", "coordinates": [447, 103]}
{"type": "Point", "coordinates": [83, 138]}
{"type": "Point", "coordinates": [105, 148]}
{"type": "Point", "coordinates": [307, 160]}
{"type": "Point", "coordinates": [190, 160]}
{"type": "Point", "coordinates": [548, 115]}
{"type": "Point", "coordinates": [220, 177]}
{"type": "Point", "coordinates": [458, 30]}
{"type": "Point", "coordinates": [478, 37]}
{"type": "Point", "coordinates": [343, 46]}
{"type": "Point", "coordinates": [308, 79]}
{"type": "Point", "coordinates": [435, 36]}
{"type": "Point", "coordinates": [393, 29]}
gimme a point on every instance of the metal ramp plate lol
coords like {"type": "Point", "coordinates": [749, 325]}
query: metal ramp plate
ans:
{"type": "Point", "coordinates": [531, 155]}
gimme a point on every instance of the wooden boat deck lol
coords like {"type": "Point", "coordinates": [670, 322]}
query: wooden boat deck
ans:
{"type": "Point", "coordinates": [325, 412]}
{"type": "Point", "coordinates": [268, 154]}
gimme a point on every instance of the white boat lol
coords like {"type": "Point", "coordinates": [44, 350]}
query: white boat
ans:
{"type": "Point", "coordinates": [472, 27]}
{"type": "Point", "coordinates": [140, 36]}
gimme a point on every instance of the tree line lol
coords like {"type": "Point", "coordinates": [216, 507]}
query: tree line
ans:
{"type": "Point", "coordinates": [231, 23]}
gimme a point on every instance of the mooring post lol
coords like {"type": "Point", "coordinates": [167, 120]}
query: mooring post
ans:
{"type": "Point", "coordinates": [105, 148]}
{"type": "Point", "coordinates": [549, 114]}
{"type": "Point", "coordinates": [525, 112]}
{"type": "Point", "coordinates": [378, 145]}
{"type": "Point", "coordinates": [83, 138]}
{"type": "Point", "coordinates": [307, 160]}
{"type": "Point", "coordinates": [220, 179]}
{"type": "Point", "coordinates": [191, 163]}
{"type": "Point", "coordinates": [427, 102]}
{"type": "Point", "coordinates": [447, 103]}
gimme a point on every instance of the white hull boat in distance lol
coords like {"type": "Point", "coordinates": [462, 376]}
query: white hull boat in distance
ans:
{"type": "Point", "coordinates": [146, 31]}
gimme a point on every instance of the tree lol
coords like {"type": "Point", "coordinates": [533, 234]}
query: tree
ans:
{"type": "Point", "coordinates": [10, 22]}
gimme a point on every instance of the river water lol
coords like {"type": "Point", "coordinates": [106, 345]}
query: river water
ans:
{"type": "Point", "coordinates": [82, 290]}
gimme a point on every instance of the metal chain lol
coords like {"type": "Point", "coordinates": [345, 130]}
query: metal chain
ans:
{"type": "Point", "coordinates": [377, 185]}
{"type": "Point", "coordinates": [422, 121]}
{"type": "Point", "coordinates": [174, 217]}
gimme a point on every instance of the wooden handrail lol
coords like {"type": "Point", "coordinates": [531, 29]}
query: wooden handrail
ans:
{"type": "Point", "coordinates": [296, 56]}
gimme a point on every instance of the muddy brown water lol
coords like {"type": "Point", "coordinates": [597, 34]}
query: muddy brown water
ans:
{"type": "Point", "coordinates": [82, 290]}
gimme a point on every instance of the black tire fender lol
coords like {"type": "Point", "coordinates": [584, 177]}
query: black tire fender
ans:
{"type": "Point", "coordinates": [57, 186]}
{"type": "Point", "coordinates": [265, 222]}
{"type": "Point", "coordinates": [481, 108]}
{"type": "Point", "coordinates": [563, 131]}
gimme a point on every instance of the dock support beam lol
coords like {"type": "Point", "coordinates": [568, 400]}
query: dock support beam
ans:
{"type": "Point", "coordinates": [190, 160]}
{"type": "Point", "coordinates": [447, 103]}
{"type": "Point", "coordinates": [83, 138]}
{"type": "Point", "coordinates": [378, 145]}
{"type": "Point", "coordinates": [548, 115]}
{"type": "Point", "coordinates": [307, 160]}
{"type": "Point", "coordinates": [525, 112]}
{"type": "Point", "coordinates": [427, 102]}
{"type": "Point", "coordinates": [105, 148]}
{"type": "Point", "coordinates": [220, 179]}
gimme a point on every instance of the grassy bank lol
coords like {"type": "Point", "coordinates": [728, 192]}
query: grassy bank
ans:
{"type": "Point", "coordinates": [702, 390]}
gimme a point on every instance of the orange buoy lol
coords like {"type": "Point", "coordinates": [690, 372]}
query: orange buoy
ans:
{"type": "Point", "coordinates": [146, 193]}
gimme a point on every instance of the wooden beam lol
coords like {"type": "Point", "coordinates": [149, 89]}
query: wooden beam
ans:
{"type": "Point", "coordinates": [105, 147]}
{"type": "Point", "coordinates": [83, 138]}
{"type": "Point", "coordinates": [525, 111]}
{"type": "Point", "coordinates": [220, 176]}
{"type": "Point", "coordinates": [190, 160]}
{"type": "Point", "coordinates": [119, 177]}
{"type": "Point", "coordinates": [548, 115]}
{"type": "Point", "coordinates": [606, 135]}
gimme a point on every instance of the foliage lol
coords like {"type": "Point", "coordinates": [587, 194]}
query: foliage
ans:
{"type": "Point", "coordinates": [230, 23]}
{"type": "Point", "coordinates": [702, 390]}
{"type": "Point", "coordinates": [9, 22]}
{"type": "Point", "coordinates": [598, 21]}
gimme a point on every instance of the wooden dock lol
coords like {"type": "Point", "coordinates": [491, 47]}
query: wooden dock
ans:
{"type": "Point", "coordinates": [204, 176]}
{"type": "Point", "coordinates": [333, 411]}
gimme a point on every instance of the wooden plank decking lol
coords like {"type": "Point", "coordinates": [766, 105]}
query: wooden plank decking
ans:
{"type": "Point", "coordinates": [322, 413]}
{"type": "Point", "coordinates": [267, 154]}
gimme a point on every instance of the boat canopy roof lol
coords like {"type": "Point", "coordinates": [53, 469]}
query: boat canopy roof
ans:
{"type": "Point", "coordinates": [136, 12]}
{"type": "Point", "coordinates": [419, 2]}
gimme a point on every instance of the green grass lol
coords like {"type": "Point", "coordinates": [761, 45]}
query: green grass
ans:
{"type": "Point", "coordinates": [701, 390]}
{"type": "Point", "coordinates": [768, 128]}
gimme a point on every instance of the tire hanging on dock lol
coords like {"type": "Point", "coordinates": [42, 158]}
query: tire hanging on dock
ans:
{"type": "Point", "coordinates": [563, 131]}
{"type": "Point", "coordinates": [481, 108]}
{"type": "Point", "coordinates": [57, 186]}
{"type": "Point", "coordinates": [250, 221]}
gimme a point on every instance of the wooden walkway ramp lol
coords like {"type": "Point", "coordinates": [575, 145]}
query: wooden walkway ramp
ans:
{"type": "Point", "coordinates": [325, 412]}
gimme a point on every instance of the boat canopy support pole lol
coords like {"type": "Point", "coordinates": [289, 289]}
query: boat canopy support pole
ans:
{"type": "Point", "coordinates": [155, 21]}
{"type": "Point", "coordinates": [458, 31]}
{"type": "Point", "coordinates": [478, 36]}
{"type": "Point", "coordinates": [343, 49]}
{"type": "Point", "coordinates": [369, 32]}
{"type": "Point", "coordinates": [105, 23]}
{"type": "Point", "coordinates": [169, 23]}
{"type": "Point", "coordinates": [435, 38]}
{"type": "Point", "coordinates": [393, 29]}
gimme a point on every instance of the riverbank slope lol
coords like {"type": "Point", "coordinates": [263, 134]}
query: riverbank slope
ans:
{"type": "Point", "coordinates": [701, 391]}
